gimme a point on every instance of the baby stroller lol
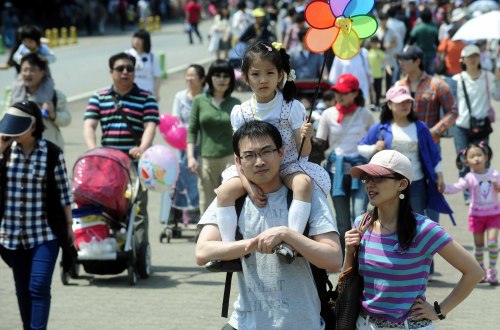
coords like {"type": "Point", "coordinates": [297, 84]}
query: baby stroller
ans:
{"type": "Point", "coordinates": [105, 188]}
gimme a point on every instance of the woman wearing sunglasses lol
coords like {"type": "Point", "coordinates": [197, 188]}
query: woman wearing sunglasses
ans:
{"type": "Point", "coordinates": [210, 122]}
{"type": "Point", "coordinates": [396, 246]}
{"type": "Point", "coordinates": [400, 130]}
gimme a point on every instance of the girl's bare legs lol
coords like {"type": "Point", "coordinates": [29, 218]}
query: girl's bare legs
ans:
{"type": "Point", "coordinates": [479, 251]}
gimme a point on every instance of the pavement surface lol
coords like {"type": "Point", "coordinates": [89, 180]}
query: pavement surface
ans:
{"type": "Point", "coordinates": [180, 295]}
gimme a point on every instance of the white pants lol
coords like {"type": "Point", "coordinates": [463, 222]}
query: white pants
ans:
{"type": "Point", "coordinates": [364, 324]}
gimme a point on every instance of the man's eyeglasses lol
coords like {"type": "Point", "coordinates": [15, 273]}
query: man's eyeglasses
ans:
{"type": "Point", "coordinates": [376, 179]}
{"type": "Point", "coordinates": [251, 157]}
{"type": "Point", "coordinates": [122, 68]}
{"type": "Point", "coordinates": [221, 75]}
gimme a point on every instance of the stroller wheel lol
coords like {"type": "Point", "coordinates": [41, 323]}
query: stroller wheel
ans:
{"type": "Point", "coordinates": [64, 277]}
{"type": "Point", "coordinates": [74, 271]}
{"type": "Point", "coordinates": [132, 275]}
{"type": "Point", "coordinates": [144, 261]}
{"type": "Point", "coordinates": [162, 236]}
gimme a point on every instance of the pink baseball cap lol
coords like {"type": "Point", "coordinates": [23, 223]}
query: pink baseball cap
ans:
{"type": "Point", "coordinates": [398, 94]}
{"type": "Point", "coordinates": [346, 83]}
{"type": "Point", "coordinates": [385, 162]}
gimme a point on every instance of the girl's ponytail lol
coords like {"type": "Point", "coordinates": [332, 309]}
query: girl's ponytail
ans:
{"type": "Point", "coordinates": [289, 89]}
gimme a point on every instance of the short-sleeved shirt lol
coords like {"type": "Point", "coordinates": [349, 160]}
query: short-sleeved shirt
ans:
{"type": "Point", "coordinates": [394, 277]}
{"type": "Point", "coordinates": [274, 294]}
{"type": "Point", "coordinates": [139, 106]}
{"type": "Point", "coordinates": [147, 69]}
{"type": "Point", "coordinates": [24, 223]}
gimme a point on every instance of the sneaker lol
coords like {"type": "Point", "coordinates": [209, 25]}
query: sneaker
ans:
{"type": "Point", "coordinates": [491, 276]}
{"type": "Point", "coordinates": [285, 253]}
{"type": "Point", "coordinates": [224, 265]}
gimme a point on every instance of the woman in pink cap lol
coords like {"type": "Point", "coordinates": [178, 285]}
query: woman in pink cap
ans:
{"type": "Point", "coordinates": [400, 130]}
{"type": "Point", "coordinates": [343, 126]}
{"type": "Point", "coordinates": [396, 246]}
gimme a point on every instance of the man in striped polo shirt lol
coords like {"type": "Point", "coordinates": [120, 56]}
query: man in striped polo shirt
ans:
{"type": "Point", "coordinates": [128, 117]}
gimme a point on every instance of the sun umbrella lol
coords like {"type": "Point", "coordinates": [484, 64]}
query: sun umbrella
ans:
{"type": "Point", "coordinates": [486, 26]}
{"type": "Point", "coordinates": [483, 6]}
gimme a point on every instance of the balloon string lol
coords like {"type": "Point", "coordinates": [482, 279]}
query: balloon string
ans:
{"type": "Point", "coordinates": [316, 93]}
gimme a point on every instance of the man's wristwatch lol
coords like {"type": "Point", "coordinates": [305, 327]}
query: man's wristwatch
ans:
{"type": "Point", "coordinates": [437, 308]}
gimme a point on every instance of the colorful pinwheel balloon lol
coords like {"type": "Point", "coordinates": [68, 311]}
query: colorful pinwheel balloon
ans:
{"type": "Point", "coordinates": [339, 24]}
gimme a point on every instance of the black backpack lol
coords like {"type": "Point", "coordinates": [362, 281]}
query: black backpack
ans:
{"type": "Point", "coordinates": [323, 284]}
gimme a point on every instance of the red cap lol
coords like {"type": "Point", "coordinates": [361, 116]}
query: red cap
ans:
{"type": "Point", "coordinates": [346, 83]}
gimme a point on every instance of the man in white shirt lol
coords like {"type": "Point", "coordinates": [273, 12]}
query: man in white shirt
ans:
{"type": "Point", "coordinates": [273, 293]}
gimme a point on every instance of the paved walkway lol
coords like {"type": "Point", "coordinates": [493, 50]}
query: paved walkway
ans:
{"type": "Point", "coordinates": [180, 295]}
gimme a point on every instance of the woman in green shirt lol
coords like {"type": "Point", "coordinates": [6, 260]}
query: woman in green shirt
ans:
{"type": "Point", "coordinates": [210, 119]}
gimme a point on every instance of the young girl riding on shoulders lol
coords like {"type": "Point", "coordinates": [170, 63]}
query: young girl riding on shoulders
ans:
{"type": "Point", "coordinates": [484, 210]}
{"type": "Point", "coordinates": [266, 69]}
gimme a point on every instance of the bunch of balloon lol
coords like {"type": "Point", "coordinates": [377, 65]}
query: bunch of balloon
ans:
{"type": "Point", "coordinates": [174, 133]}
{"type": "Point", "coordinates": [158, 169]}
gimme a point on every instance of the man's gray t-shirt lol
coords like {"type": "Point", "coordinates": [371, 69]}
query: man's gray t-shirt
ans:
{"type": "Point", "coordinates": [274, 294]}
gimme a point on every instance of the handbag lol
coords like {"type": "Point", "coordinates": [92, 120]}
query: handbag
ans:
{"type": "Point", "coordinates": [480, 128]}
{"type": "Point", "coordinates": [346, 299]}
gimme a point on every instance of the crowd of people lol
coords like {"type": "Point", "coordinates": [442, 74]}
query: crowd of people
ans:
{"type": "Point", "coordinates": [377, 188]}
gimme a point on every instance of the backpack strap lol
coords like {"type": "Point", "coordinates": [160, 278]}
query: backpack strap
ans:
{"type": "Point", "coordinates": [239, 236]}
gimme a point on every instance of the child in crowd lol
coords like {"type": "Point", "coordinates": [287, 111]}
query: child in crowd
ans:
{"type": "Point", "coordinates": [484, 210]}
{"type": "Point", "coordinates": [31, 36]}
{"type": "Point", "coordinates": [31, 43]}
{"type": "Point", "coordinates": [376, 62]}
{"type": "Point", "coordinates": [266, 69]}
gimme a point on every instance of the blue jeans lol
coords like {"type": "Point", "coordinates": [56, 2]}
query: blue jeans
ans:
{"type": "Point", "coordinates": [429, 64]}
{"type": "Point", "coordinates": [418, 200]}
{"type": "Point", "coordinates": [348, 207]}
{"type": "Point", "coordinates": [33, 269]}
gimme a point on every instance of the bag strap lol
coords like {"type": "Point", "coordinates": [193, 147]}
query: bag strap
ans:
{"type": "Point", "coordinates": [119, 108]}
{"type": "Point", "coordinates": [487, 87]}
{"type": "Point", "coordinates": [363, 226]}
{"type": "Point", "coordinates": [466, 95]}
{"type": "Point", "coordinates": [229, 276]}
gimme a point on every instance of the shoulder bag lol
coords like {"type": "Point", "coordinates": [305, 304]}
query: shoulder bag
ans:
{"type": "Point", "coordinates": [346, 299]}
{"type": "Point", "coordinates": [479, 128]}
